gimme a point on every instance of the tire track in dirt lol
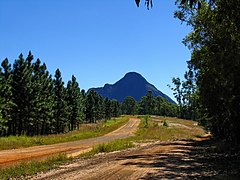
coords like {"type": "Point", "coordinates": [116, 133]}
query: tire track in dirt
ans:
{"type": "Point", "coordinates": [183, 159]}
{"type": "Point", "coordinates": [74, 148]}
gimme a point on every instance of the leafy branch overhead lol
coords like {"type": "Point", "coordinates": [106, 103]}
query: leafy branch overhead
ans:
{"type": "Point", "coordinates": [190, 3]}
{"type": "Point", "coordinates": [148, 3]}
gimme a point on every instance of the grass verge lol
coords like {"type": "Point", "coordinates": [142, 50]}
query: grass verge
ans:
{"type": "Point", "coordinates": [150, 130]}
{"type": "Point", "coordinates": [85, 131]}
{"type": "Point", "coordinates": [27, 169]}
{"type": "Point", "coordinates": [159, 128]}
{"type": "Point", "coordinates": [116, 145]}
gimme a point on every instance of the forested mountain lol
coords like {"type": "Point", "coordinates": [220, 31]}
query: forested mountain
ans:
{"type": "Point", "coordinates": [132, 84]}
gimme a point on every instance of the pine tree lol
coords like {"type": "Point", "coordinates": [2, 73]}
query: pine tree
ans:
{"type": "Point", "coordinates": [49, 94]}
{"type": "Point", "coordinates": [99, 108]}
{"type": "Point", "coordinates": [33, 103]}
{"type": "Point", "coordinates": [3, 121]}
{"type": "Point", "coordinates": [6, 97]}
{"type": "Point", "coordinates": [29, 121]}
{"type": "Point", "coordinates": [21, 90]}
{"type": "Point", "coordinates": [90, 107]}
{"type": "Point", "coordinates": [75, 105]}
{"type": "Point", "coordinates": [59, 103]}
{"type": "Point", "coordinates": [115, 108]}
{"type": "Point", "coordinates": [107, 104]}
{"type": "Point", "coordinates": [150, 102]}
{"type": "Point", "coordinates": [42, 99]}
{"type": "Point", "coordinates": [84, 100]}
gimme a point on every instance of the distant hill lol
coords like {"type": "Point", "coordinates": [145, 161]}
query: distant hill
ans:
{"type": "Point", "coordinates": [132, 84]}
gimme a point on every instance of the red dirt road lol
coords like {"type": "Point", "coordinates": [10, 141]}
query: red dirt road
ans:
{"type": "Point", "coordinates": [179, 159]}
{"type": "Point", "coordinates": [9, 157]}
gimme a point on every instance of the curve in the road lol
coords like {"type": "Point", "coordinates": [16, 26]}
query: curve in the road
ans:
{"type": "Point", "coordinates": [74, 148]}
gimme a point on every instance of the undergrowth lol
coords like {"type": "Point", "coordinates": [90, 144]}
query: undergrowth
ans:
{"type": "Point", "coordinates": [116, 145]}
{"type": "Point", "coordinates": [150, 130]}
{"type": "Point", "coordinates": [159, 129]}
{"type": "Point", "coordinates": [26, 169]}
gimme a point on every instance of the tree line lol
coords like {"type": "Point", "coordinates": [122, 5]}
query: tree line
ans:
{"type": "Point", "coordinates": [149, 105]}
{"type": "Point", "coordinates": [33, 102]}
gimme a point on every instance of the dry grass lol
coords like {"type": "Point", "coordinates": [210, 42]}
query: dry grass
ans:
{"type": "Point", "coordinates": [176, 129]}
{"type": "Point", "coordinates": [116, 145]}
{"type": "Point", "coordinates": [152, 129]}
{"type": "Point", "coordinates": [26, 169]}
{"type": "Point", "coordinates": [85, 131]}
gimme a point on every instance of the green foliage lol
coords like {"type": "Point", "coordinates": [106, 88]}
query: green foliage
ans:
{"type": "Point", "coordinates": [115, 108]}
{"type": "Point", "coordinates": [43, 100]}
{"type": "Point", "coordinates": [116, 145]}
{"type": "Point", "coordinates": [3, 126]}
{"type": "Point", "coordinates": [188, 3]}
{"type": "Point", "coordinates": [107, 104]}
{"type": "Point", "coordinates": [165, 124]}
{"type": "Point", "coordinates": [215, 43]}
{"type": "Point", "coordinates": [33, 103]}
{"type": "Point", "coordinates": [5, 97]}
{"type": "Point", "coordinates": [147, 103]}
{"type": "Point", "coordinates": [156, 132]}
{"type": "Point", "coordinates": [98, 108]}
{"type": "Point", "coordinates": [84, 132]}
{"type": "Point", "coordinates": [60, 106]}
{"type": "Point", "coordinates": [75, 104]}
{"type": "Point", "coordinates": [129, 106]}
{"type": "Point", "coordinates": [156, 106]}
{"type": "Point", "coordinates": [146, 119]}
{"type": "Point", "coordinates": [187, 95]}
{"type": "Point", "coordinates": [148, 3]}
{"type": "Point", "coordinates": [151, 132]}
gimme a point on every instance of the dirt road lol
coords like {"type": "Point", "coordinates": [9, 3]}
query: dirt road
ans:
{"type": "Point", "coordinates": [8, 157]}
{"type": "Point", "coordinates": [160, 160]}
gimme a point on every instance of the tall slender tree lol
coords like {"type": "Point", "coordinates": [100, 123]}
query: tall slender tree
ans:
{"type": "Point", "coordinates": [115, 108]}
{"type": "Point", "coordinates": [6, 97]}
{"type": "Point", "coordinates": [42, 99]}
{"type": "Point", "coordinates": [21, 90]}
{"type": "Point", "coordinates": [74, 102]}
{"type": "Point", "coordinates": [59, 103]}
{"type": "Point", "coordinates": [107, 104]}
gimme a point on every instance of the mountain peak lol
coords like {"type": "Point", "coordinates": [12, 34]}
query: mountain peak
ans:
{"type": "Point", "coordinates": [132, 84]}
{"type": "Point", "coordinates": [133, 74]}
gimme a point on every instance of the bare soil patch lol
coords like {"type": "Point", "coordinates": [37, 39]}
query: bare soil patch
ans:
{"type": "Point", "coordinates": [182, 159]}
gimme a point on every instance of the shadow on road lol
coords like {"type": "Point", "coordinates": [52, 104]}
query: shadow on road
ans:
{"type": "Point", "coordinates": [187, 160]}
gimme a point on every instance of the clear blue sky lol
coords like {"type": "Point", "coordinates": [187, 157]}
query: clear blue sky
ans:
{"type": "Point", "coordinates": [97, 40]}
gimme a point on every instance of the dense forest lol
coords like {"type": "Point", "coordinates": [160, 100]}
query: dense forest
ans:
{"type": "Point", "coordinates": [210, 91]}
{"type": "Point", "coordinates": [32, 102]}
{"type": "Point", "coordinates": [35, 103]}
